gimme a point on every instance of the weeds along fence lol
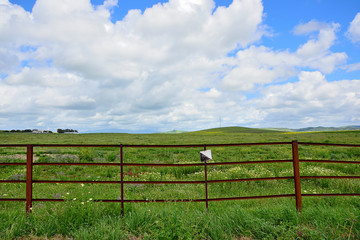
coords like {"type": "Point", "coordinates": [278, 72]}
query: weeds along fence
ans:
{"type": "Point", "coordinates": [297, 194]}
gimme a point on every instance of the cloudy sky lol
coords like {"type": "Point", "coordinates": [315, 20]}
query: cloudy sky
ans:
{"type": "Point", "coordinates": [152, 66]}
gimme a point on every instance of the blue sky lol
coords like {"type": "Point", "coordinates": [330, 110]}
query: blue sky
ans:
{"type": "Point", "coordinates": [152, 66]}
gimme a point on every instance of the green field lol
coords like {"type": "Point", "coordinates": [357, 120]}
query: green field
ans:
{"type": "Point", "coordinates": [276, 218]}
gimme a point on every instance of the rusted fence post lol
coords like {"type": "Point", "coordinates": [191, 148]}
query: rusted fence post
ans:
{"type": "Point", "coordinates": [206, 183]}
{"type": "Point", "coordinates": [296, 167]}
{"type": "Point", "coordinates": [29, 176]}
{"type": "Point", "coordinates": [122, 179]}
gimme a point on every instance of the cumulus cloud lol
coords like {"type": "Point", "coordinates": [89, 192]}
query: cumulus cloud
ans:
{"type": "Point", "coordinates": [312, 99]}
{"type": "Point", "coordinates": [66, 64]}
{"type": "Point", "coordinates": [255, 66]}
{"type": "Point", "coordinates": [353, 32]}
{"type": "Point", "coordinates": [316, 52]}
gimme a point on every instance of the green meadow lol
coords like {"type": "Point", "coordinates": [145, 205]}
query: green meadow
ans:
{"type": "Point", "coordinates": [80, 217]}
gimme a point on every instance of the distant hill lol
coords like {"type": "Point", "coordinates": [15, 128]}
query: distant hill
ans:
{"type": "Point", "coordinates": [318, 129]}
{"type": "Point", "coordinates": [327, 129]}
{"type": "Point", "coordinates": [237, 130]}
{"type": "Point", "coordinates": [277, 130]}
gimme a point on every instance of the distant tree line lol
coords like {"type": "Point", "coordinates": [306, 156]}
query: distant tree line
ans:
{"type": "Point", "coordinates": [59, 130]}
{"type": "Point", "coordinates": [26, 131]}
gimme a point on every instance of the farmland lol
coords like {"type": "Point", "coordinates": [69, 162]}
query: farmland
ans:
{"type": "Point", "coordinates": [79, 217]}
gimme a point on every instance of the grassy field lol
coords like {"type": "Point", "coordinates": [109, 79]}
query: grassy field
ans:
{"type": "Point", "coordinates": [82, 218]}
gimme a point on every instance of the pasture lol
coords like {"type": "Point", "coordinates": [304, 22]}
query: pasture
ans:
{"type": "Point", "coordinates": [80, 217]}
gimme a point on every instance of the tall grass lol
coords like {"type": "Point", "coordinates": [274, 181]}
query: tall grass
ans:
{"type": "Point", "coordinates": [246, 220]}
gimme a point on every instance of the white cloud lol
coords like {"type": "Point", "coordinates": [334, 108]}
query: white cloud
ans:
{"type": "Point", "coordinates": [52, 98]}
{"type": "Point", "coordinates": [14, 23]}
{"type": "Point", "coordinates": [317, 47]}
{"type": "Point", "coordinates": [109, 4]}
{"type": "Point", "coordinates": [8, 60]}
{"type": "Point", "coordinates": [183, 28]}
{"type": "Point", "coordinates": [312, 100]}
{"type": "Point", "coordinates": [259, 65]}
{"type": "Point", "coordinates": [316, 52]}
{"type": "Point", "coordinates": [67, 65]}
{"type": "Point", "coordinates": [352, 67]}
{"type": "Point", "coordinates": [255, 66]}
{"type": "Point", "coordinates": [309, 27]}
{"type": "Point", "coordinates": [353, 32]}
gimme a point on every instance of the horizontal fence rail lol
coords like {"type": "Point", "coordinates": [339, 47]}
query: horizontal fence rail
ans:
{"type": "Point", "coordinates": [295, 163]}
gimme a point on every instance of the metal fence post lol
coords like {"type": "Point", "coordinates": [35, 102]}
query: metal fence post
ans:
{"type": "Point", "coordinates": [29, 176]}
{"type": "Point", "coordinates": [206, 183]}
{"type": "Point", "coordinates": [296, 167]}
{"type": "Point", "coordinates": [122, 179]}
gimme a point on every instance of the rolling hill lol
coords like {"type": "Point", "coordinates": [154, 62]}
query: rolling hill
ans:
{"type": "Point", "coordinates": [237, 130]}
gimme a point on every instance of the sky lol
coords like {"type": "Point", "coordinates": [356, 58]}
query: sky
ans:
{"type": "Point", "coordinates": [145, 66]}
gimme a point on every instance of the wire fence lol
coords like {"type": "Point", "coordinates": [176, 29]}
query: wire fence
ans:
{"type": "Point", "coordinates": [297, 193]}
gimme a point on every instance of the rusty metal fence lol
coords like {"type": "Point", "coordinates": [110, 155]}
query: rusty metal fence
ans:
{"type": "Point", "coordinates": [295, 163]}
